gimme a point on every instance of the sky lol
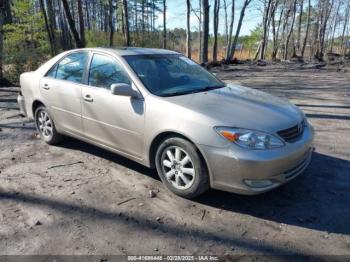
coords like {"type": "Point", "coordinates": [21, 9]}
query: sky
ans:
{"type": "Point", "coordinates": [176, 16]}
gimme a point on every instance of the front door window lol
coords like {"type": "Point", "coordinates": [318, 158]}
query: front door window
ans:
{"type": "Point", "coordinates": [105, 71]}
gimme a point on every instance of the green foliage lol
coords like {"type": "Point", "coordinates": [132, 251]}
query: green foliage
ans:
{"type": "Point", "coordinates": [252, 41]}
{"type": "Point", "coordinates": [25, 43]}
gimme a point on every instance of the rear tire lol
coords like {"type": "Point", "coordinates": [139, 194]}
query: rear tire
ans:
{"type": "Point", "coordinates": [46, 127]}
{"type": "Point", "coordinates": [181, 167]}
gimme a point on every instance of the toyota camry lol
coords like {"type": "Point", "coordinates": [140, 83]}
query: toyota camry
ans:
{"type": "Point", "coordinates": [163, 110]}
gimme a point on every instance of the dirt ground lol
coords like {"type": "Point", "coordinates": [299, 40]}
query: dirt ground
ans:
{"type": "Point", "coordinates": [78, 199]}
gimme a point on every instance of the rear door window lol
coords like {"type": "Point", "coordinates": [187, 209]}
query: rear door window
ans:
{"type": "Point", "coordinates": [71, 68]}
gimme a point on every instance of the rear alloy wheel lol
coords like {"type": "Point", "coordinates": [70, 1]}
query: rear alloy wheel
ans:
{"type": "Point", "coordinates": [181, 168]}
{"type": "Point", "coordinates": [45, 126]}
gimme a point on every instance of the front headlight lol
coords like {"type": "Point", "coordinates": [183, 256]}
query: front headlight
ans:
{"type": "Point", "coordinates": [250, 139]}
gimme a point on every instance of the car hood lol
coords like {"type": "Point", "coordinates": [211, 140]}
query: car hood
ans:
{"type": "Point", "coordinates": [238, 106]}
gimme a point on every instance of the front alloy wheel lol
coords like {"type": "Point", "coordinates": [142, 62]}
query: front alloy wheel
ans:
{"type": "Point", "coordinates": [178, 167]}
{"type": "Point", "coordinates": [181, 167]}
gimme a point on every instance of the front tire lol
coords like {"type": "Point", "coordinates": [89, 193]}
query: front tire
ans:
{"type": "Point", "coordinates": [181, 167]}
{"type": "Point", "coordinates": [46, 127]}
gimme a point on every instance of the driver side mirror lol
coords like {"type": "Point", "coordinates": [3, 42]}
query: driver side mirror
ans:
{"type": "Point", "coordinates": [123, 89]}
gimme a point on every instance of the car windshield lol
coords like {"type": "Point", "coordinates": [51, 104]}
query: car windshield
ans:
{"type": "Point", "coordinates": [171, 75]}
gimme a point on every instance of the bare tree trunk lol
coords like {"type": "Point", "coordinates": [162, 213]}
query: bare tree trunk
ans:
{"type": "Point", "coordinates": [327, 14]}
{"type": "Point", "coordinates": [81, 22]}
{"type": "Point", "coordinates": [307, 28]}
{"type": "Point", "coordinates": [241, 16]}
{"type": "Point", "coordinates": [79, 43]}
{"type": "Point", "coordinates": [285, 55]}
{"type": "Point", "coordinates": [274, 41]}
{"type": "Point", "coordinates": [126, 22]}
{"type": "Point", "coordinates": [216, 27]}
{"type": "Point", "coordinates": [72, 3]}
{"type": "Point", "coordinates": [51, 15]}
{"type": "Point", "coordinates": [313, 49]}
{"type": "Point", "coordinates": [5, 18]}
{"type": "Point", "coordinates": [325, 11]}
{"type": "Point", "coordinates": [294, 54]}
{"type": "Point", "coordinates": [143, 16]}
{"type": "Point", "coordinates": [66, 40]}
{"type": "Point", "coordinates": [5, 5]}
{"type": "Point", "coordinates": [52, 23]}
{"type": "Point", "coordinates": [275, 32]}
{"type": "Point", "coordinates": [48, 29]}
{"type": "Point", "coordinates": [204, 51]}
{"type": "Point", "coordinates": [153, 15]}
{"type": "Point", "coordinates": [257, 52]}
{"type": "Point", "coordinates": [334, 27]}
{"type": "Point", "coordinates": [164, 24]}
{"type": "Point", "coordinates": [226, 22]}
{"type": "Point", "coordinates": [120, 22]}
{"type": "Point", "coordinates": [200, 30]}
{"type": "Point", "coordinates": [136, 17]}
{"type": "Point", "coordinates": [188, 28]}
{"type": "Point", "coordinates": [343, 42]}
{"type": "Point", "coordinates": [111, 25]}
{"type": "Point", "coordinates": [299, 23]}
{"type": "Point", "coordinates": [266, 23]}
{"type": "Point", "coordinates": [228, 48]}
{"type": "Point", "coordinates": [105, 18]}
{"type": "Point", "coordinates": [2, 18]}
{"type": "Point", "coordinates": [284, 26]}
{"type": "Point", "coordinates": [88, 20]}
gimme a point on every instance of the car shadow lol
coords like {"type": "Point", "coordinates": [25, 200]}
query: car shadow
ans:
{"type": "Point", "coordinates": [314, 200]}
{"type": "Point", "coordinates": [140, 223]}
{"type": "Point", "coordinates": [75, 144]}
{"type": "Point", "coordinates": [317, 199]}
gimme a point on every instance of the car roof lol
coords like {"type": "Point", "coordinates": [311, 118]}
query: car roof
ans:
{"type": "Point", "coordinates": [124, 51]}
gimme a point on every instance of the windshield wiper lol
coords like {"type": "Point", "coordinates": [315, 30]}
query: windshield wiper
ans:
{"type": "Point", "coordinates": [208, 88]}
{"type": "Point", "coordinates": [204, 89]}
{"type": "Point", "coordinates": [178, 93]}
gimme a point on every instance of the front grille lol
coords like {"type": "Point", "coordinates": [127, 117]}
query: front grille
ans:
{"type": "Point", "coordinates": [292, 133]}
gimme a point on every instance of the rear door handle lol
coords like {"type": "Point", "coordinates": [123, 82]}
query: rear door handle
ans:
{"type": "Point", "coordinates": [46, 86]}
{"type": "Point", "coordinates": [88, 98]}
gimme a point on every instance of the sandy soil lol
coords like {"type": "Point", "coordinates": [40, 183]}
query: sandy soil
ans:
{"type": "Point", "coordinates": [78, 199]}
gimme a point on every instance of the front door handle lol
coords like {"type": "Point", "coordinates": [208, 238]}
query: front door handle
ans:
{"type": "Point", "coordinates": [46, 86]}
{"type": "Point", "coordinates": [88, 98]}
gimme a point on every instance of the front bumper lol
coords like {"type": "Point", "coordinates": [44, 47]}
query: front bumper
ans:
{"type": "Point", "coordinates": [250, 172]}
